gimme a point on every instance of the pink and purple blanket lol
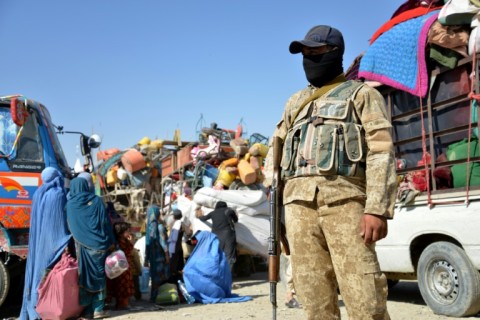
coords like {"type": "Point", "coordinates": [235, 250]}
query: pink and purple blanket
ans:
{"type": "Point", "coordinates": [397, 57]}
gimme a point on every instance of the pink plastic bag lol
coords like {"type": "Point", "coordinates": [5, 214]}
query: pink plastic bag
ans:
{"type": "Point", "coordinates": [58, 294]}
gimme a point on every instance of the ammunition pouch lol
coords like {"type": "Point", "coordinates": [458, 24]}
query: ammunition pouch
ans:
{"type": "Point", "coordinates": [326, 138]}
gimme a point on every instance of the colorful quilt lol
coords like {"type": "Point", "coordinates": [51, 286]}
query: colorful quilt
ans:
{"type": "Point", "coordinates": [397, 57]}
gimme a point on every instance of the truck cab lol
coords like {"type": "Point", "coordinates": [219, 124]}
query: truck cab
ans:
{"type": "Point", "coordinates": [28, 144]}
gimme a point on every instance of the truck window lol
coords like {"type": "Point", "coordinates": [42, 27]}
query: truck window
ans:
{"type": "Point", "coordinates": [8, 131]}
{"type": "Point", "coordinates": [29, 146]}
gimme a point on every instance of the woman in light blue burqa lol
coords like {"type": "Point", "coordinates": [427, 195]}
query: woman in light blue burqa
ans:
{"type": "Point", "coordinates": [48, 236]}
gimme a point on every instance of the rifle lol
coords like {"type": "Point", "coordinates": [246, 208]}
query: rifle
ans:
{"type": "Point", "coordinates": [277, 233]}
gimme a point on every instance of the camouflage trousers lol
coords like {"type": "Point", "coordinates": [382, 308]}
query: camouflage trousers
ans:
{"type": "Point", "coordinates": [327, 253]}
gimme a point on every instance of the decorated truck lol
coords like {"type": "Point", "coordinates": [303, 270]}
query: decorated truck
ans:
{"type": "Point", "coordinates": [28, 144]}
{"type": "Point", "coordinates": [427, 70]}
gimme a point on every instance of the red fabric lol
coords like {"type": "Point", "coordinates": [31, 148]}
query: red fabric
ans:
{"type": "Point", "coordinates": [404, 16]}
{"type": "Point", "coordinates": [419, 181]}
{"type": "Point", "coordinates": [58, 294]}
{"type": "Point", "coordinates": [411, 4]}
{"type": "Point", "coordinates": [122, 287]}
{"type": "Point", "coordinates": [443, 175]}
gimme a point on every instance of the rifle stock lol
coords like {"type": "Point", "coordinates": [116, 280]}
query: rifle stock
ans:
{"type": "Point", "coordinates": [275, 224]}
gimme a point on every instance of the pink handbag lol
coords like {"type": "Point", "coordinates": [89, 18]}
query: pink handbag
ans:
{"type": "Point", "coordinates": [58, 294]}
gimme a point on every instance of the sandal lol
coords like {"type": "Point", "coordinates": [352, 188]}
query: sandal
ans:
{"type": "Point", "coordinates": [293, 303]}
{"type": "Point", "coordinates": [101, 314]}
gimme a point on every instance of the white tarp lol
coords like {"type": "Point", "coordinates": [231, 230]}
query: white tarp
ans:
{"type": "Point", "coordinates": [252, 229]}
{"type": "Point", "coordinates": [249, 202]}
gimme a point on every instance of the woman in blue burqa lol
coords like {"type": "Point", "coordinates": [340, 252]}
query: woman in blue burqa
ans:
{"type": "Point", "coordinates": [48, 237]}
{"type": "Point", "coordinates": [94, 239]}
{"type": "Point", "coordinates": [156, 250]}
{"type": "Point", "coordinates": [207, 273]}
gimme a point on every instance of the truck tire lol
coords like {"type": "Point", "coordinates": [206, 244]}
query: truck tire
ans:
{"type": "Point", "coordinates": [4, 282]}
{"type": "Point", "coordinates": [448, 282]}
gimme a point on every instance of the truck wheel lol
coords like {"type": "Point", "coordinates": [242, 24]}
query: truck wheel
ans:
{"type": "Point", "coordinates": [448, 282]}
{"type": "Point", "coordinates": [4, 282]}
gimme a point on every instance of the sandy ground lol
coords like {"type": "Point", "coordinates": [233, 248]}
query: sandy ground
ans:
{"type": "Point", "coordinates": [404, 303]}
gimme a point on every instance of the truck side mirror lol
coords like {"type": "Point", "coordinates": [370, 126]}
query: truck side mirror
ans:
{"type": "Point", "coordinates": [89, 143]}
{"type": "Point", "coordinates": [18, 110]}
{"type": "Point", "coordinates": [94, 141]}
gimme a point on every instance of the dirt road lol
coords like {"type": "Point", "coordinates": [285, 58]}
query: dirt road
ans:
{"type": "Point", "coordinates": [404, 303]}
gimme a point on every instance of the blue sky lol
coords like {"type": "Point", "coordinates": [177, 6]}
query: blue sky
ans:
{"type": "Point", "coordinates": [129, 69]}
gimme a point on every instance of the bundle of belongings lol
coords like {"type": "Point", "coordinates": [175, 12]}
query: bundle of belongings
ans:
{"type": "Point", "coordinates": [251, 206]}
{"type": "Point", "coordinates": [419, 37]}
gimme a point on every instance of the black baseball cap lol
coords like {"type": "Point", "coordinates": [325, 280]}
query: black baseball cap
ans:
{"type": "Point", "coordinates": [319, 36]}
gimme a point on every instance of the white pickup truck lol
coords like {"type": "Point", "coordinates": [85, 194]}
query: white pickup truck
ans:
{"type": "Point", "coordinates": [434, 238]}
{"type": "Point", "coordinates": [440, 248]}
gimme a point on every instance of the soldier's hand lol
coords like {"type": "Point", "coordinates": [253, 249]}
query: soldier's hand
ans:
{"type": "Point", "coordinates": [373, 228]}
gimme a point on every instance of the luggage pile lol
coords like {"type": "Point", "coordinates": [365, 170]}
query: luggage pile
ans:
{"type": "Point", "coordinates": [421, 61]}
{"type": "Point", "coordinates": [159, 171]}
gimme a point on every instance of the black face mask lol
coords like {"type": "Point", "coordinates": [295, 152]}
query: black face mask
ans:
{"type": "Point", "coordinates": [323, 68]}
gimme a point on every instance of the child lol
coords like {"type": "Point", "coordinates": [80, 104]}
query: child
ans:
{"type": "Point", "coordinates": [136, 270]}
{"type": "Point", "coordinates": [122, 287]}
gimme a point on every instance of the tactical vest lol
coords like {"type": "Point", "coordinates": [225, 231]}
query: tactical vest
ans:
{"type": "Point", "coordinates": [326, 138]}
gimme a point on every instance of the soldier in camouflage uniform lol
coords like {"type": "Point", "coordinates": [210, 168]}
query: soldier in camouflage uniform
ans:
{"type": "Point", "coordinates": [340, 183]}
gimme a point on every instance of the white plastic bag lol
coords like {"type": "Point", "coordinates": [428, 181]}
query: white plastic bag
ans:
{"type": "Point", "coordinates": [116, 264]}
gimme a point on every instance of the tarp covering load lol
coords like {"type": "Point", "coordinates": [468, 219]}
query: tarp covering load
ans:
{"type": "Point", "coordinates": [252, 229]}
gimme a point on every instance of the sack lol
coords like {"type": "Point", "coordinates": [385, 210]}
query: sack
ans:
{"type": "Point", "coordinates": [58, 294]}
{"type": "Point", "coordinates": [167, 294]}
{"type": "Point", "coordinates": [456, 12]}
{"type": "Point", "coordinates": [116, 264]}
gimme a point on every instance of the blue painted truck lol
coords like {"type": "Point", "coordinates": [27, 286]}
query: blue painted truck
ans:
{"type": "Point", "coordinates": [28, 144]}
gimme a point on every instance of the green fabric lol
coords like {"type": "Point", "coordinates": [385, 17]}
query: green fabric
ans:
{"type": "Point", "coordinates": [458, 151]}
{"type": "Point", "coordinates": [444, 56]}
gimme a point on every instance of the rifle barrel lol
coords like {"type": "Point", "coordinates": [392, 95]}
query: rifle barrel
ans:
{"type": "Point", "coordinates": [273, 299]}
{"type": "Point", "coordinates": [275, 209]}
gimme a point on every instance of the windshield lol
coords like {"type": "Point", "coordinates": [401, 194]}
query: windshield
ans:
{"type": "Point", "coordinates": [8, 131]}
{"type": "Point", "coordinates": [29, 146]}
{"type": "Point", "coordinates": [57, 147]}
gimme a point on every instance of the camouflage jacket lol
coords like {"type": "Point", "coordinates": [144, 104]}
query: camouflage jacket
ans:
{"type": "Point", "coordinates": [378, 188]}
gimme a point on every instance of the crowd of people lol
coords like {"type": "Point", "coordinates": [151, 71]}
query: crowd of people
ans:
{"type": "Point", "coordinates": [334, 209]}
{"type": "Point", "coordinates": [78, 223]}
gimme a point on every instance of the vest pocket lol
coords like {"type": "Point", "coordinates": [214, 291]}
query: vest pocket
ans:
{"type": "Point", "coordinates": [290, 151]}
{"type": "Point", "coordinates": [354, 141]}
{"type": "Point", "coordinates": [326, 148]}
